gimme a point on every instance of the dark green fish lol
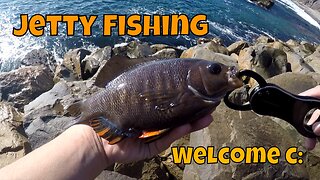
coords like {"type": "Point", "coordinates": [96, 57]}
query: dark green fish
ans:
{"type": "Point", "coordinates": [156, 96]}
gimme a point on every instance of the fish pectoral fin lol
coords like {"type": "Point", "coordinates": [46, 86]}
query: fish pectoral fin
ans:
{"type": "Point", "coordinates": [107, 130]}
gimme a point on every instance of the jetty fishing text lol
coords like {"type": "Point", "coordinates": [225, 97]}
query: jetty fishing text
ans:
{"type": "Point", "coordinates": [133, 25]}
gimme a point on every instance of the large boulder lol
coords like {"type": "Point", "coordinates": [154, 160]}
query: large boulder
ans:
{"type": "Point", "coordinates": [211, 46]}
{"type": "Point", "coordinates": [246, 129]}
{"type": "Point", "coordinates": [23, 85]}
{"type": "Point", "coordinates": [91, 63]}
{"type": "Point", "coordinates": [13, 144]}
{"type": "Point", "coordinates": [266, 61]}
{"type": "Point", "coordinates": [40, 57]}
{"type": "Point", "coordinates": [47, 116]}
{"type": "Point", "coordinates": [146, 169]}
{"type": "Point", "coordinates": [72, 61]}
{"type": "Point", "coordinates": [134, 49]}
{"type": "Point", "coordinates": [237, 46]}
{"type": "Point", "coordinates": [314, 60]}
{"type": "Point", "coordinates": [297, 64]}
{"type": "Point", "coordinates": [167, 53]}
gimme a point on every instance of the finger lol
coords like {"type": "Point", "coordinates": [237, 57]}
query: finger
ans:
{"type": "Point", "coordinates": [316, 128]}
{"type": "Point", "coordinates": [201, 123]}
{"type": "Point", "coordinates": [310, 143]}
{"type": "Point", "coordinates": [315, 92]}
{"type": "Point", "coordinates": [314, 117]}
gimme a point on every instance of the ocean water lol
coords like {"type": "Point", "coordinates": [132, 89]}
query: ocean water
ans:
{"type": "Point", "coordinates": [230, 20]}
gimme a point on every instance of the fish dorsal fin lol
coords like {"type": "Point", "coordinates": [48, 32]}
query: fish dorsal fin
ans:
{"type": "Point", "coordinates": [116, 66]}
{"type": "Point", "coordinates": [75, 109]}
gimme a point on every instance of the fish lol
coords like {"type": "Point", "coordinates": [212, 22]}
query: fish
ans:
{"type": "Point", "coordinates": [155, 97]}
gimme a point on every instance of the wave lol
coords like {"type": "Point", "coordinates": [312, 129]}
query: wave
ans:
{"type": "Point", "coordinates": [294, 7]}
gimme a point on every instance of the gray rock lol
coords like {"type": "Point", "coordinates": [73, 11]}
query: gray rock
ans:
{"type": "Point", "coordinates": [211, 46]}
{"type": "Point", "coordinates": [72, 61]}
{"type": "Point", "coordinates": [47, 116]}
{"type": "Point", "coordinates": [297, 64]}
{"type": "Point", "coordinates": [63, 73]}
{"type": "Point", "coordinates": [157, 47]}
{"type": "Point", "coordinates": [165, 54]}
{"type": "Point", "coordinates": [133, 49]}
{"type": "Point", "coordinates": [243, 129]}
{"type": "Point", "coordinates": [237, 46]}
{"type": "Point", "coordinates": [13, 144]}
{"type": "Point", "coordinates": [314, 60]}
{"type": "Point", "coordinates": [266, 61]}
{"type": "Point", "coordinates": [40, 57]}
{"type": "Point", "coordinates": [112, 175]}
{"type": "Point", "coordinates": [264, 39]}
{"type": "Point", "coordinates": [23, 85]}
{"type": "Point", "coordinates": [147, 169]}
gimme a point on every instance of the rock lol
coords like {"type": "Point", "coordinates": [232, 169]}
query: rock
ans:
{"type": "Point", "coordinates": [148, 169]}
{"type": "Point", "coordinates": [112, 175]}
{"type": "Point", "coordinates": [266, 61]}
{"type": "Point", "coordinates": [47, 116]}
{"type": "Point", "coordinates": [264, 39]}
{"type": "Point", "coordinates": [13, 145]}
{"type": "Point", "coordinates": [292, 43]}
{"type": "Point", "coordinates": [116, 66]}
{"type": "Point", "coordinates": [314, 60]}
{"type": "Point", "coordinates": [297, 64]}
{"type": "Point", "coordinates": [207, 54]}
{"type": "Point", "coordinates": [165, 54]}
{"type": "Point", "coordinates": [304, 49]}
{"type": "Point", "coordinates": [72, 61]}
{"type": "Point", "coordinates": [23, 85]}
{"type": "Point", "coordinates": [157, 47]}
{"type": "Point", "coordinates": [237, 46]}
{"type": "Point", "coordinates": [245, 129]}
{"type": "Point", "coordinates": [133, 49]}
{"type": "Point", "coordinates": [92, 62]}
{"type": "Point", "coordinates": [264, 3]}
{"type": "Point", "coordinates": [215, 40]}
{"type": "Point", "coordinates": [175, 170]}
{"type": "Point", "coordinates": [63, 73]}
{"type": "Point", "coordinates": [211, 46]}
{"type": "Point", "coordinates": [40, 57]}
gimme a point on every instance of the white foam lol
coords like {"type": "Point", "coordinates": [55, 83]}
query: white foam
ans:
{"type": "Point", "coordinates": [291, 5]}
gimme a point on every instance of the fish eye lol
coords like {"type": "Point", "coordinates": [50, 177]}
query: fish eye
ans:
{"type": "Point", "coordinates": [214, 68]}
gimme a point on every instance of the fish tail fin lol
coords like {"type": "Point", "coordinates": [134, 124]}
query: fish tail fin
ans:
{"type": "Point", "coordinates": [108, 130]}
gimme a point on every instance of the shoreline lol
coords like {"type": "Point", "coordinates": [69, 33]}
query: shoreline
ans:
{"type": "Point", "coordinates": [311, 12]}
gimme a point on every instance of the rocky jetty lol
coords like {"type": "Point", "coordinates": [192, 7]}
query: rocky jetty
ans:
{"type": "Point", "coordinates": [35, 97]}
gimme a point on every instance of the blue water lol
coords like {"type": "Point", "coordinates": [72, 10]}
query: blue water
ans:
{"type": "Point", "coordinates": [231, 20]}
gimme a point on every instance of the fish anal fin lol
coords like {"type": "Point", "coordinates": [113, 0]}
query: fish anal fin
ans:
{"type": "Point", "coordinates": [115, 140]}
{"type": "Point", "coordinates": [148, 134]}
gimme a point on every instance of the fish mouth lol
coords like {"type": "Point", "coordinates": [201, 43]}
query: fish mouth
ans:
{"type": "Point", "coordinates": [233, 77]}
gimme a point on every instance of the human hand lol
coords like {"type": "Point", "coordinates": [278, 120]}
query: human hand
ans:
{"type": "Point", "coordinates": [311, 142]}
{"type": "Point", "coordinates": [134, 149]}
